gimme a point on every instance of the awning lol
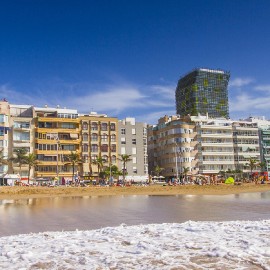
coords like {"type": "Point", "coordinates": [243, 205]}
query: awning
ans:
{"type": "Point", "coordinates": [74, 136]}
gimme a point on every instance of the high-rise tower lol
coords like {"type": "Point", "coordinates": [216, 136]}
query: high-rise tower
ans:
{"type": "Point", "coordinates": [203, 91]}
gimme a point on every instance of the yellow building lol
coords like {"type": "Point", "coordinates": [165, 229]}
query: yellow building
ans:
{"type": "Point", "coordinates": [56, 136]}
{"type": "Point", "coordinates": [99, 135]}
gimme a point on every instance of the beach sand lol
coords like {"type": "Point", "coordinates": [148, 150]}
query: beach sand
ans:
{"type": "Point", "coordinates": [39, 192]}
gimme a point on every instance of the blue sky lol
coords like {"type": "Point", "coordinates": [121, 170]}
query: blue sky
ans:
{"type": "Point", "coordinates": [124, 58]}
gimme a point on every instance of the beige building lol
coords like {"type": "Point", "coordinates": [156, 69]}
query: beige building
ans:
{"type": "Point", "coordinates": [99, 135]}
{"type": "Point", "coordinates": [56, 136]}
{"type": "Point", "coordinates": [172, 146]}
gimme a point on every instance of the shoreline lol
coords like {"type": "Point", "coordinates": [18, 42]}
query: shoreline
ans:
{"type": "Point", "coordinates": [52, 192]}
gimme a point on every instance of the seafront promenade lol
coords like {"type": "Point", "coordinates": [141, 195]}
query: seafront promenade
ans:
{"type": "Point", "coordinates": [39, 192]}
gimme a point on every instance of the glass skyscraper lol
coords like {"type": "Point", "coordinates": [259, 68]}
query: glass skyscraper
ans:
{"type": "Point", "coordinates": [203, 91]}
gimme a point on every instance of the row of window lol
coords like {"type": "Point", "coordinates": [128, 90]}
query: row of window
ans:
{"type": "Point", "coordinates": [95, 148]}
{"type": "Point", "coordinates": [94, 137]}
{"type": "Point", "coordinates": [94, 157]}
{"type": "Point", "coordinates": [94, 126]}
{"type": "Point", "coordinates": [53, 147]}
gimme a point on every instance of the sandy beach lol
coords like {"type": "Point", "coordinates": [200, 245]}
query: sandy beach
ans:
{"type": "Point", "coordinates": [39, 192]}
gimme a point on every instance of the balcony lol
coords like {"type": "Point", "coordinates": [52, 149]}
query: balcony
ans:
{"type": "Point", "coordinates": [21, 144]}
{"type": "Point", "coordinates": [57, 120]}
{"type": "Point", "coordinates": [217, 153]}
{"type": "Point", "coordinates": [57, 130]}
{"type": "Point", "coordinates": [48, 141]}
{"type": "Point", "coordinates": [215, 135]}
{"type": "Point", "coordinates": [217, 162]}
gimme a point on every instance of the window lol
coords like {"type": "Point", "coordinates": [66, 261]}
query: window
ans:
{"type": "Point", "coordinates": [69, 147]}
{"type": "Point", "coordinates": [85, 137]}
{"type": "Point", "coordinates": [104, 126]}
{"type": "Point", "coordinates": [113, 148]}
{"type": "Point", "coordinates": [85, 126]}
{"type": "Point", "coordinates": [123, 131]}
{"type": "Point", "coordinates": [123, 140]}
{"type": "Point", "coordinates": [134, 160]}
{"type": "Point", "coordinates": [94, 157]}
{"type": "Point", "coordinates": [105, 158]}
{"type": "Point", "coordinates": [133, 141]}
{"type": "Point", "coordinates": [113, 159]}
{"type": "Point", "coordinates": [85, 148]}
{"type": "Point", "coordinates": [104, 148]}
{"type": "Point", "coordinates": [94, 137]}
{"type": "Point", "coordinates": [134, 170]}
{"type": "Point", "coordinates": [123, 150]}
{"type": "Point", "coordinates": [113, 138]}
{"type": "Point", "coordinates": [94, 126]}
{"type": "Point", "coordinates": [85, 158]}
{"type": "Point", "coordinates": [134, 150]}
{"type": "Point", "coordinates": [112, 127]}
{"type": "Point", "coordinates": [104, 137]}
{"type": "Point", "coordinates": [94, 148]}
{"type": "Point", "coordinates": [133, 131]}
{"type": "Point", "coordinates": [68, 125]}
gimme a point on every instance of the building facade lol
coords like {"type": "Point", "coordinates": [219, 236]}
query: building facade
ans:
{"type": "Point", "coordinates": [99, 139]}
{"type": "Point", "coordinates": [203, 91]}
{"type": "Point", "coordinates": [56, 136]}
{"type": "Point", "coordinates": [22, 135]}
{"type": "Point", "coordinates": [4, 134]}
{"type": "Point", "coordinates": [204, 145]}
{"type": "Point", "coordinates": [172, 146]}
{"type": "Point", "coordinates": [132, 141]}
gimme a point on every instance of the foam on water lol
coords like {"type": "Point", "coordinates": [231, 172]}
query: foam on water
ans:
{"type": "Point", "coordinates": [189, 245]}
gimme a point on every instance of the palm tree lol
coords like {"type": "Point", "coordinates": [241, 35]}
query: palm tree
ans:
{"type": "Point", "coordinates": [252, 164]}
{"type": "Point", "coordinates": [112, 170]}
{"type": "Point", "coordinates": [185, 171]}
{"type": "Point", "coordinates": [158, 170]}
{"type": "Point", "coordinates": [262, 166]}
{"type": "Point", "coordinates": [74, 159]}
{"type": "Point", "coordinates": [100, 163]}
{"type": "Point", "coordinates": [31, 161]}
{"type": "Point", "coordinates": [124, 158]}
{"type": "Point", "coordinates": [20, 155]}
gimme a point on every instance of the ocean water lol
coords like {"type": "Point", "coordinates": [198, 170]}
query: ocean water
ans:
{"type": "Point", "coordinates": [136, 232]}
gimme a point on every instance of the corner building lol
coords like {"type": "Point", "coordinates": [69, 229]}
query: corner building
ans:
{"type": "Point", "coordinates": [203, 91]}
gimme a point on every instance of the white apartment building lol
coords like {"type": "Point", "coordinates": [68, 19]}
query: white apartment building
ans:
{"type": "Point", "coordinates": [4, 134]}
{"type": "Point", "coordinates": [205, 145]}
{"type": "Point", "coordinates": [132, 140]}
{"type": "Point", "coordinates": [22, 134]}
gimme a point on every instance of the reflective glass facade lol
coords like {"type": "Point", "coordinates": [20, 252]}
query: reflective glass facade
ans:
{"type": "Point", "coordinates": [203, 91]}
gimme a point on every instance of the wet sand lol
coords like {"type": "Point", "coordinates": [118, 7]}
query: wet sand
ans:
{"type": "Point", "coordinates": [42, 192]}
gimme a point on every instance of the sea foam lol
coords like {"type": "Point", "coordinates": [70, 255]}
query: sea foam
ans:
{"type": "Point", "coordinates": [189, 245]}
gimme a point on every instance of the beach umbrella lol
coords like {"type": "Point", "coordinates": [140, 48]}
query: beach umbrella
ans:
{"type": "Point", "coordinates": [229, 181]}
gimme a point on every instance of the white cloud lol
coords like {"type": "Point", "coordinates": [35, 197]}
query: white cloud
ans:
{"type": "Point", "coordinates": [113, 100]}
{"type": "Point", "coordinates": [250, 104]}
{"type": "Point", "coordinates": [239, 82]}
{"type": "Point", "coordinates": [167, 91]}
{"type": "Point", "coordinates": [152, 117]}
{"type": "Point", "coordinates": [265, 87]}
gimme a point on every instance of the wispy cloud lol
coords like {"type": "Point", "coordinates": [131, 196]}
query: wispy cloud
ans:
{"type": "Point", "coordinates": [250, 104]}
{"type": "Point", "coordinates": [152, 117]}
{"type": "Point", "coordinates": [239, 82]}
{"type": "Point", "coordinates": [265, 87]}
{"type": "Point", "coordinates": [167, 91]}
{"type": "Point", "coordinates": [119, 100]}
